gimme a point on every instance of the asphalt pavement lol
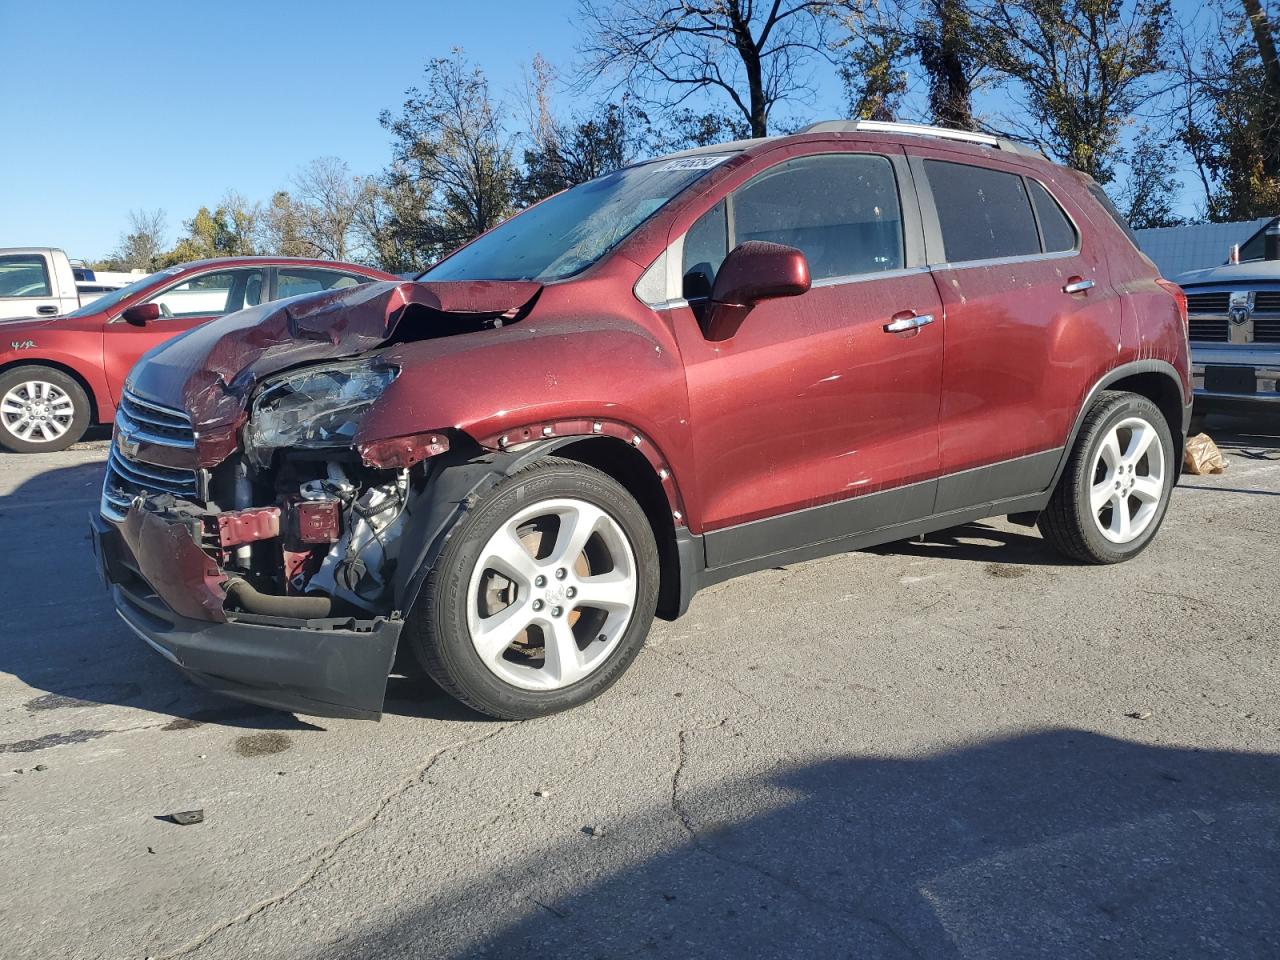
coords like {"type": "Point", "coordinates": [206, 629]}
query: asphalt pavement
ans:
{"type": "Point", "coordinates": [961, 748]}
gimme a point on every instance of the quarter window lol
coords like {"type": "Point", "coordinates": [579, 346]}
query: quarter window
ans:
{"type": "Point", "coordinates": [1055, 228]}
{"type": "Point", "coordinates": [24, 275]}
{"type": "Point", "coordinates": [705, 247]}
{"type": "Point", "coordinates": [984, 214]}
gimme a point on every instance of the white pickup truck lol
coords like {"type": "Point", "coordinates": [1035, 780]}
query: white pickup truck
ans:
{"type": "Point", "coordinates": [41, 282]}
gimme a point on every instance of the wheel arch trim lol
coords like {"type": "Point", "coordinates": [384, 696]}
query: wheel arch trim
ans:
{"type": "Point", "coordinates": [1133, 368]}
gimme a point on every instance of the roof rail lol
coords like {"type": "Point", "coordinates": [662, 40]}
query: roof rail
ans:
{"type": "Point", "coordinates": [919, 130]}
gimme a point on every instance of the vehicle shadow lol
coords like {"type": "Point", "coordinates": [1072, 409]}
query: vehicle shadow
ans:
{"type": "Point", "coordinates": [978, 542]}
{"type": "Point", "coordinates": [62, 636]}
{"type": "Point", "coordinates": [1060, 843]}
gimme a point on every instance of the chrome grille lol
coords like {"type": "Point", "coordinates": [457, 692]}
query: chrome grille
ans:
{"type": "Point", "coordinates": [153, 423]}
{"type": "Point", "coordinates": [126, 477]}
{"type": "Point", "coordinates": [1211, 329]}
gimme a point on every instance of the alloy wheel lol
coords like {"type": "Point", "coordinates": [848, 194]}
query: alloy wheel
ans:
{"type": "Point", "coordinates": [1128, 480]}
{"type": "Point", "coordinates": [37, 411]}
{"type": "Point", "coordinates": [551, 594]}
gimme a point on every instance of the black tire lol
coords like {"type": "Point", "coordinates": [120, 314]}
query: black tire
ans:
{"type": "Point", "coordinates": [437, 627]}
{"type": "Point", "coordinates": [1068, 523]}
{"type": "Point", "coordinates": [80, 416]}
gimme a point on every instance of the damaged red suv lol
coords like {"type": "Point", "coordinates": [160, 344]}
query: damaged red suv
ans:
{"type": "Point", "coordinates": [690, 369]}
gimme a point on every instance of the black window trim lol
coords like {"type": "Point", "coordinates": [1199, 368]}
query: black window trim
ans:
{"type": "Point", "coordinates": [913, 229]}
{"type": "Point", "coordinates": [935, 251]}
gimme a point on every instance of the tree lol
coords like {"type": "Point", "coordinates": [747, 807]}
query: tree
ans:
{"type": "Point", "coordinates": [666, 51]}
{"type": "Point", "coordinates": [452, 173]}
{"type": "Point", "coordinates": [318, 218]}
{"type": "Point", "coordinates": [1149, 192]}
{"type": "Point", "coordinates": [1079, 68]}
{"type": "Point", "coordinates": [873, 66]}
{"type": "Point", "coordinates": [229, 230]}
{"type": "Point", "coordinates": [1230, 110]}
{"type": "Point", "coordinates": [945, 41]}
{"type": "Point", "coordinates": [140, 247]}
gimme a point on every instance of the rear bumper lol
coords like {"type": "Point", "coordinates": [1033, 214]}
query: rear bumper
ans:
{"type": "Point", "coordinates": [327, 668]}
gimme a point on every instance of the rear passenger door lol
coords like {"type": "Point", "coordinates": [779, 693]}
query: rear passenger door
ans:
{"type": "Point", "coordinates": [813, 420]}
{"type": "Point", "coordinates": [1029, 310]}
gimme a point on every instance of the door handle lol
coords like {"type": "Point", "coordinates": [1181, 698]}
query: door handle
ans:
{"type": "Point", "coordinates": [907, 320]}
{"type": "Point", "coordinates": [46, 310]}
{"type": "Point", "coordinates": [1077, 285]}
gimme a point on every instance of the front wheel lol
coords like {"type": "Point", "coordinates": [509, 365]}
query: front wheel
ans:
{"type": "Point", "coordinates": [543, 595]}
{"type": "Point", "coordinates": [42, 410]}
{"type": "Point", "coordinates": [1113, 494]}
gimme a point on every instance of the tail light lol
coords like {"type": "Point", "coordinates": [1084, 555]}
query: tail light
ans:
{"type": "Point", "coordinates": [1180, 296]}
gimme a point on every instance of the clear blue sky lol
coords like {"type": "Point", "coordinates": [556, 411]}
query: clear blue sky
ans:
{"type": "Point", "coordinates": [109, 108]}
{"type": "Point", "coordinates": [113, 107]}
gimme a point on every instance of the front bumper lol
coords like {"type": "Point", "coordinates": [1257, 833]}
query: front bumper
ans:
{"type": "Point", "coordinates": [1235, 378]}
{"type": "Point", "coordinates": [327, 668]}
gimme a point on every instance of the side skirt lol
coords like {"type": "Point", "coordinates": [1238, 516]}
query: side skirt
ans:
{"type": "Point", "coordinates": [877, 518]}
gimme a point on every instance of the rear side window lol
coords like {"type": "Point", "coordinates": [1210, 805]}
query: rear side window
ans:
{"type": "Point", "coordinates": [1055, 227]}
{"type": "Point", "coordinates": [983, 213]}
{"type": "Point", "coordinates": [24, 275]}
{"type": "Point", "coordinates": [296, 281]}
{"type": "Point", "coordinates": [840, 210]}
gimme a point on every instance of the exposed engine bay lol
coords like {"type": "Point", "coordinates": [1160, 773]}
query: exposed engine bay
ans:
{"type": "Point", "coordinates": [309, 538]}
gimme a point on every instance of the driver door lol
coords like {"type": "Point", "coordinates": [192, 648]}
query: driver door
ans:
{"type": "Point", "coordinates": [193, 300]}
{"type": "Point", "coordinates": [814, 421]}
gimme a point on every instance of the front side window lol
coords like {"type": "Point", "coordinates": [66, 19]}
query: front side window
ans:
{"type": "Point", "coordinates": [568, 232]}
{"type": "Point", "coordinates": [984, 214]}
{"type": "Point", "coordinates": [296, 281]}
{"type": "Point", "coordinates": [24, 275]}
{"type": "Point", "coordinates": [211, 294]}
{"type": "Point", "coordinates": [840, 210]}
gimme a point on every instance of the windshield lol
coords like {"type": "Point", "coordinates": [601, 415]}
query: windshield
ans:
{"type": "Point", "coordinates": [116, 296]}
{"type": "Point", "coordinates": [572, 230]}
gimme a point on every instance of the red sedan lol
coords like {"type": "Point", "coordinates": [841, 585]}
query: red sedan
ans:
{"type": "Point", "coordinates": [59, 375]}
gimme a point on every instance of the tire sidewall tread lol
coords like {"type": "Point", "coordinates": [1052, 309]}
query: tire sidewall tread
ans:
{"type": "Point", "coordinates": [437, 626]}
{"type": "Point", "coordinates": [1067, 522]}
{"type": "Point", "coordinates": [64, 382]}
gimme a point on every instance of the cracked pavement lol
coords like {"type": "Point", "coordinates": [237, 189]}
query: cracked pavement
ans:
{"type": "Point", "coordinates": [962, 748]}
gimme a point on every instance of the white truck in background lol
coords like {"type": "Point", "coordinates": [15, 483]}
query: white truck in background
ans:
{"type": "Point", "coordinates": [42, 282]}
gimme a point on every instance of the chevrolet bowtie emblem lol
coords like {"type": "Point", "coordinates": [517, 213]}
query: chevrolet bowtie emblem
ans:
{"type": "Point", "coordinates": [127, 444]}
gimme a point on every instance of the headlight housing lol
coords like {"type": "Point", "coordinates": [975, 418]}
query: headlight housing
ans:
{"type": "Point", "coordinates": [317, 407]}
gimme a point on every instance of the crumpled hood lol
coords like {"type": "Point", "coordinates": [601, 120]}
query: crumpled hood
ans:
{"type": "Point", "coordinates": [211, 371]}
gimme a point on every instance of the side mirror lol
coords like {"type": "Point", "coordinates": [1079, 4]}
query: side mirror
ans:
{"type": "Point", "coordinates": [753, 272]}
{"type": "Point", "coordinates": [141, 314]}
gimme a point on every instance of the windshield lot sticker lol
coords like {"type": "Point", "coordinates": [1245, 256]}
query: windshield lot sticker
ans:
{"type": "Point", "coordinates": [694, 163]}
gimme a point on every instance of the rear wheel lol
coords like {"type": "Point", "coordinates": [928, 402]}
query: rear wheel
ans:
{"type": "Point", "coordinates": [41, 410]}
{"type": "Point", "coordinates": [1113, 494]}
{"type": "Point", "coordinates": [543, 595]}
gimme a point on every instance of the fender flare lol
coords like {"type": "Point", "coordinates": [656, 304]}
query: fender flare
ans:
{"type": "Point", "coordinates": [1132, 368]}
